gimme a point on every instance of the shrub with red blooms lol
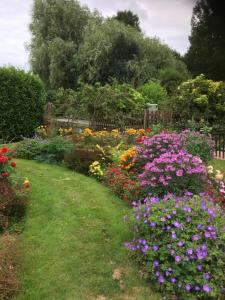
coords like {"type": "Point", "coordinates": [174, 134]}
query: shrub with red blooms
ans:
{"type": "Point", "coordinates": [6, 163]}
{"type": "Point", "coordinates": [125, 184]}
{"type": "Point", "coordinates": [216, 190]}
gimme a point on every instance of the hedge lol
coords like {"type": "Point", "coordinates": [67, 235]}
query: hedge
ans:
{"type": "Point", "coordinates": [22, 100]}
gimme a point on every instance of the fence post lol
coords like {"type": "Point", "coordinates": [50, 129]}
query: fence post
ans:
{"type": "Point", "coordinates": [146, 119]}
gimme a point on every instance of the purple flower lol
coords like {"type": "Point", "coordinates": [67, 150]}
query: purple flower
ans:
{"type": "Point", "coordinates": [163, 219]}
{"type": "Point", "coordinates": [170, 269]}
{"type": "Point", "coordinates": [174, 235]}
{"type": "Point", "coordinates": [153, 224]}
{"type": "Point", "coordinates": [161, 279]}
{"type": "Point", "coordinates": [206, 288]}
{"type": "Point", "coordinates": [212, 212]}
{"type": "Point", "coordinates": [195, 237]}
{"type": "Point", "coordinates": [172, 252]}
{"type": "Point", "coordinates": [199, 267]}
{"type": "Point", "coordinates": [173, 280]}
{"type": "Point", "coordinates": [207, 276]}
{"type": "Point", "coordinates": [177, 224]}
{"type": "Point", "coordinates": [189, 251]}
{"type": "Point", "coordinates": [180, 243]}
{"type": "Point", "coordinates": [155, 247]}
{"type": "Point", "coordinates": [157, 273]}
{"type": "Point", "coordinates": [207, 234]}
{"type": "Point", "coordinates": [156, 263]}
{"type": "Point", "coordinates": [168, 246]}
{"type": "Point", "coordinates": [177, 258]}
{"type": "Point", "coordinates": [188, 287]}
{"type": "Point", "coordinates": [197, 288]}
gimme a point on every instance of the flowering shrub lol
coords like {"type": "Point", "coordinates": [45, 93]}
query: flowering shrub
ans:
{"type": "Point", "coordinates": [174, 172]}
{"type": "Point", "coordinates": [155, 146]}
{"type": "Point", "coordinates": [199, 144]}
{"type": "Point", "coordinates": [6, 163]}
{"type": "Point", "coordinates": [125, 185]}
{"type": "Point", "coordinates": [127, 159]}
{"type": "Point", "coordinates": [180, 243]}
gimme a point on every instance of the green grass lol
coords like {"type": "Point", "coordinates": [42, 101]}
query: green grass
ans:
{"type": "Point", "coordinates": [73, 239]}
{"type": "Point", "coordinates": [219, 164]}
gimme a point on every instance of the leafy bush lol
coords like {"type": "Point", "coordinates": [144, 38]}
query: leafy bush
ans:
{"type": "Point", "coordinates": [153, 93]}
{"type": "Point", "coordinates": [200, 98]}
{"type": "Point", "coordinates": [22, 103]}
{"type": "Point", "coordinates": [81, 157]}
{"type": "Point", "coordinates": [198, 144]}
{"type": "Point", "coordinates": [175, 173]}
{"type": "Point", "coordinates": [180, 244]}
{"type": "Point", "coordinates": [49, 150]}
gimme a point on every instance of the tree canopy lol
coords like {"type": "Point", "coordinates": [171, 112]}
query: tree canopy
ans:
{"type": "Point", "coordinates": [57, 30]}
{"type": "Point", "coordinates": [206, 53]}
{"type": "Point", "coordinates": [128, 18]}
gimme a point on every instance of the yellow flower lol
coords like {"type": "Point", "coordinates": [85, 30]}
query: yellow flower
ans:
{"type": "Point", "coordinates": [210, 169]}
{"type": "Point", "coordinates": [141, 131]}
{"type": "Point", "coordinates": [115, 133]}
{"type": "Point", "coordinates": [131, 131]}
{"type": "Point", "coordinates": [88, 132]}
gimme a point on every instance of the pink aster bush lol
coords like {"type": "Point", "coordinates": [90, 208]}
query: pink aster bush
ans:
{"type": "Point", "coordinates": [155, 146]}
{"type": "Point", "coordinates": [179, 242]}
{"type": "Point", "coordinates": [174, 172]}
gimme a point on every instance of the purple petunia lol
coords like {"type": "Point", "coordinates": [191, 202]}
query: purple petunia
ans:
{"type": "Point", "coordinates": [188, 287]}
{"type": "Point", "coordinates": [177, 258]}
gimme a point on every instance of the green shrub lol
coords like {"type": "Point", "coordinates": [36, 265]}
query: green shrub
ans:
{"type": "Point", "coordinates": [49, 151]}
{"type": "Point", "coordinates": [200, 99]}
{"type": "Point", "coordinates": [180, 244]}
{"type": "Point", "coordinates": [22, 103]}
{"type": "Point", "coordinates": [153, 93]}
{"type": "Point", "coordinates": [198, 144]}
{"type": "Point", "coordinates": [81, 157]}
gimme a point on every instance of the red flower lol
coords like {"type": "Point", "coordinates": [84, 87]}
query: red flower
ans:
{"type": "Point", "coordinates": [13, 164]}
{"type": "Point", "coordinates": [5, 174]}
{"type": "Point", "coordinates": [4, 149]}
{"type": "Point", "coordinates": [3, 159]}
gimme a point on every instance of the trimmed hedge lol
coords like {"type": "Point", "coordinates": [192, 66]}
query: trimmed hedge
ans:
{"type": "Point", "coordinates": [22, 100]}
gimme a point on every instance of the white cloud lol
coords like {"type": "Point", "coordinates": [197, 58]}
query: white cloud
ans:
{"type": "Point", "coordinates": [168, 19]}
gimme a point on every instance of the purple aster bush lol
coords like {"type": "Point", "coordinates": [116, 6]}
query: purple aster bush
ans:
{"type": "Point", "coordinates": [174, 172]}
{"type": "Point", "coordinates": [178, 256]}
{"type": "Point", "coordinates": [198, 144]}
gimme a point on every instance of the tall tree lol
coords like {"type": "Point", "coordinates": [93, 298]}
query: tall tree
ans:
{"type": "Point", "coordinates": [206, 53]}
{"type": "Point", "coordinates": [128, 18]}
{"type": "Point", "coordinates": [57, 29]}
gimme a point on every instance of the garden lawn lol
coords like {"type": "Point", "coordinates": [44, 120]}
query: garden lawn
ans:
{"type": "Point", "coordinates": [219, 164]}
{"type": "Point", "coordinates": [73, 239]}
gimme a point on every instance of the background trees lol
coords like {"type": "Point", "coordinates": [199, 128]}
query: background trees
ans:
{"type": "Point", "coordinates": [206, 53]}
{"type": "Point", "coordinates": [128, 18]}
{"type": "Point", "coordinates": [57, 30]}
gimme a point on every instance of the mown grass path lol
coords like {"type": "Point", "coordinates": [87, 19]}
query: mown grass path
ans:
{"type": "Point", "coordinates": [73, 239]}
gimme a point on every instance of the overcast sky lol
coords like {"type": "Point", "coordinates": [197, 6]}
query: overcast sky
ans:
{"type": "Point", "coordinates": [167, 19]}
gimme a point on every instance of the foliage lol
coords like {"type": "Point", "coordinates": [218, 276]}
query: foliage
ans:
{"type": "Point", "coordinates": [153, 93]}
{"type": "Point", "coordinates": [128, 18]}
{"type": "Point", "coordinates": [22, 103]}
{"type": "Point", "coordinates": [206, 52]}
{"type": "Point", "coordinates": [112, 102]}
{"type": "Point", "coordinates": [112, 50]}
{"type": "Point", "coordinates": [200, 98]}
{"type": "Point", "coordinates": [180, 243]}
{"type": "Point", "coordinates": [81, 157]}
{"type": "Point", "coordinates": [198, 144]}
{"type": "Point", "coordinates": [57, 29]}
{"type": "Point", "coordinates": [41, 131]}
{"type": "Point", "coordinates": [49, 151]}
{"type": "Point", "coordinates": [174, 173]}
